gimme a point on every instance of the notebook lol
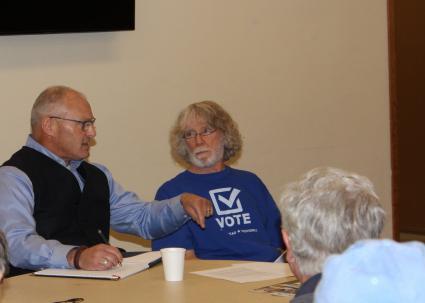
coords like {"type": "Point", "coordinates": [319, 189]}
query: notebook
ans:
{"type": "Point", "coordinates": [130, 266]}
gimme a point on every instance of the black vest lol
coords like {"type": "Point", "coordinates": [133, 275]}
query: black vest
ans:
{"type": "Point", "coordinates": [61, 211]}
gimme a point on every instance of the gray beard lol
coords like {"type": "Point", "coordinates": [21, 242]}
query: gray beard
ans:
{"type": "Point", "coordinates": [216, 156]}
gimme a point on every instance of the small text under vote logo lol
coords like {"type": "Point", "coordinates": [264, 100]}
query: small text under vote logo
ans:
{"type": "Point", "coordinates": [226, 200]}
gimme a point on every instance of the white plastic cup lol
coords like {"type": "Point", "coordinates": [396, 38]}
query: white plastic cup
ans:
{"type": "Point", "coordinates": [173, 263]}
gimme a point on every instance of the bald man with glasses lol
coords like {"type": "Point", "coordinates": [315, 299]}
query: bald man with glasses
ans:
{"type": "Point", "coordinates": [56, 208]}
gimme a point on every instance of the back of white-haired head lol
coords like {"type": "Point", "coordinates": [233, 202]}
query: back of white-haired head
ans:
{"type": "Point", "coordinates": [325, 212]}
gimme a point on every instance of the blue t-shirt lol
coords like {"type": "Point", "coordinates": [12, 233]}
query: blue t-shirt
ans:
{"type": "Point", "coordinates": [245, 224]}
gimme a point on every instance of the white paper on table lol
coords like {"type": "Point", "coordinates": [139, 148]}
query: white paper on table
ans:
{"type": "Point", "coordinates": [248, 272]}
{"type": "Point", "coordinates": [130, 266]}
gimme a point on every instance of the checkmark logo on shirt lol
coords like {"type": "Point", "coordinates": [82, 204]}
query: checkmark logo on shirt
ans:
{"type": "Point", "coordinates": [232, 203]}
{"type": "Point", "coordinates": [232, 199]}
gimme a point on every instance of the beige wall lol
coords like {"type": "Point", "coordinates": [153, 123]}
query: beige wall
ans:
{"type": "Point", "coordinates": [306, 80]}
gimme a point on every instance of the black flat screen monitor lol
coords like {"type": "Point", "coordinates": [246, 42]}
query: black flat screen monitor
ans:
{"type": "Point", "coordinates": [18, 17]}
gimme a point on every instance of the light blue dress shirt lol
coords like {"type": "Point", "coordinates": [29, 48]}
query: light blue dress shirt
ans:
{"type": "Point", "coordinates": [129, 214]}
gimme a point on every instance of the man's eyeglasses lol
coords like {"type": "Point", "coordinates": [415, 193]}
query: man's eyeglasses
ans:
{"type": "Point", "coordinates": [190, 134]}
{"type": "Point", "coordinates": [85, 125]}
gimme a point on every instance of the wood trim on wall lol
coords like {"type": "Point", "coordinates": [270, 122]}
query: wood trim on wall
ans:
{"type": "Point", "coordinates": [392, 55]}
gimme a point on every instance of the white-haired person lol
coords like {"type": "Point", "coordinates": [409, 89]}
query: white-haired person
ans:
{"type": "Point", "coordinates": [374, 271]}
{"type": "Point", "coordinates": [246, 222]}
{"type": "Point", "coordinates": [3, 256]}
{"type": "Point", "coordinates": [323, 214]}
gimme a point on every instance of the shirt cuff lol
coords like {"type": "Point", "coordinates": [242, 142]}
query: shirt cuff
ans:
{"type": "Point", "coordinates": [58, 259]}
{"type": "Point", "coordinates": [177, 208]}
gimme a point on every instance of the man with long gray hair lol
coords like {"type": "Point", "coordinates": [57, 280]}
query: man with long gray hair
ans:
{"type": "Point", "coordinates": [322, 214]}
{"type": "Point", "coordinates": [246, 222]}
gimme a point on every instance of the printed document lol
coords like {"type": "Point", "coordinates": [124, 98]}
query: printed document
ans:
{"type": "Point", "coordinates": [249, 272]}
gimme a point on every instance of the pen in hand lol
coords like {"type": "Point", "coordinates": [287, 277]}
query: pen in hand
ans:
{"type": "Point", "coordinates": [105, 241]}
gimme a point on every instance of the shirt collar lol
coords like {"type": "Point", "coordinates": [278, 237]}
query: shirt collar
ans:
{"type": "Point", "coordinates": [32, 143]}
{"type": "Point", "coordinates": [309, 286]}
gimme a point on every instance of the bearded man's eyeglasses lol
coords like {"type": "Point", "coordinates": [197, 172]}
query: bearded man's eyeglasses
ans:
{"type": "Point", "coordinates": [190, 134]}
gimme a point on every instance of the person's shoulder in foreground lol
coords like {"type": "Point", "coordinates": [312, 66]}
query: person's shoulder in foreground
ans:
{"type": "Point", "coordinates": [246, 221]}
{"type": "Point", "coordinates": [374, 271]}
